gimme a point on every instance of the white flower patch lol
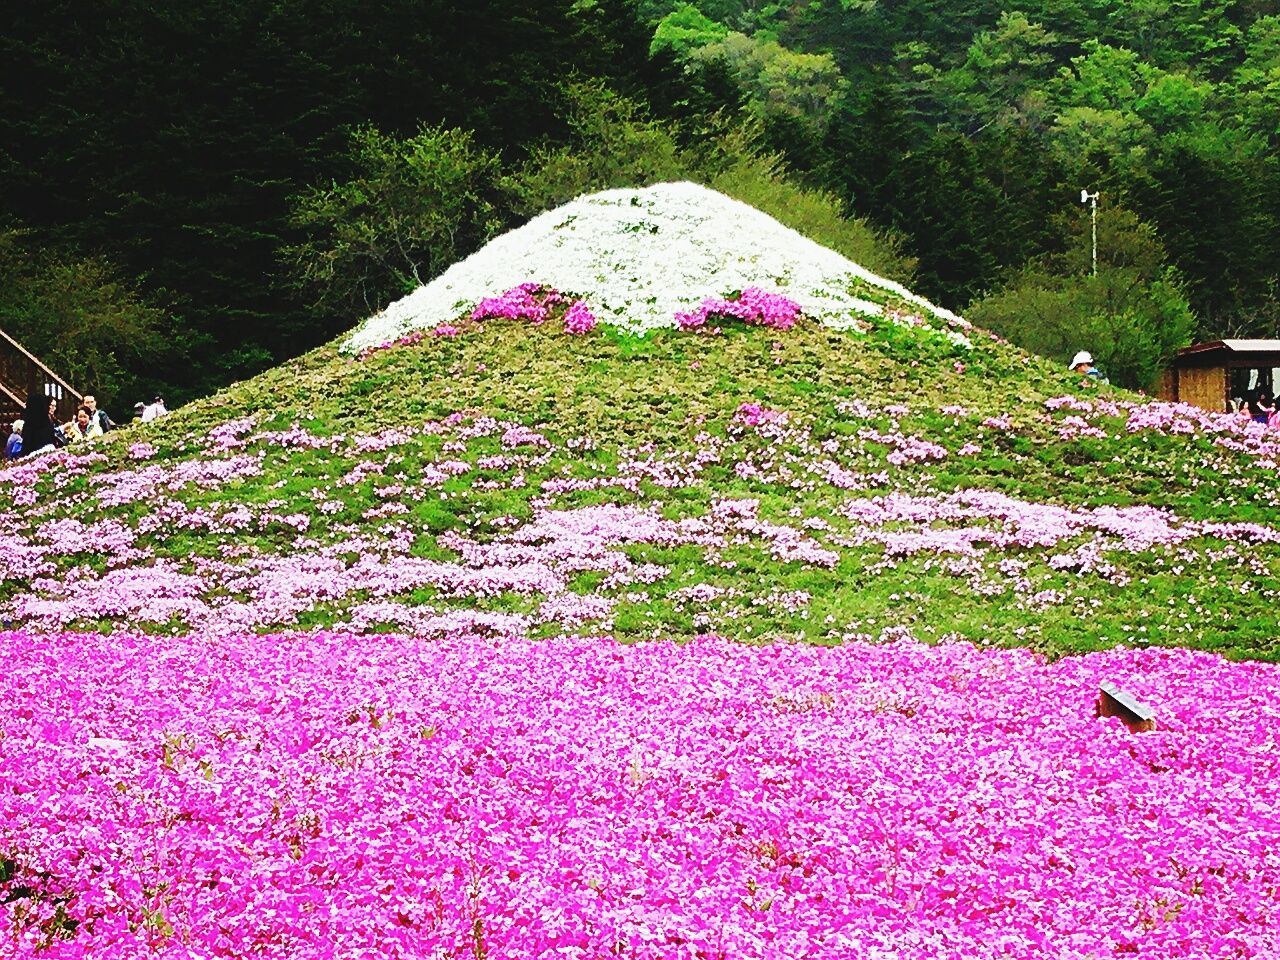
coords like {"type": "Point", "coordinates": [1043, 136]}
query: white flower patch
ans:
{"type": "Point", "coordinates": [639, 256]}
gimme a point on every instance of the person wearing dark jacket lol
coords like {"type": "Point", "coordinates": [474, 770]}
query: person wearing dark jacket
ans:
{"type": "Point", "coordinates": [37, 427]}
{"type": "Point", "coordinates": [60, 437]}
{"type": "Point", "coordinates": [1261, 407]}
{"type": "Point", "coordinates": [95, 415]}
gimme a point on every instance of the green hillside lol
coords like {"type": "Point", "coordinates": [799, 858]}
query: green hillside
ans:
{"type": "Point", "coordinates": [758, 483]}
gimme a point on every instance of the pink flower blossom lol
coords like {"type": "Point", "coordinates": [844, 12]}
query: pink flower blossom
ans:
{"type": "Point", "coordinates": [579, 319]}
{"type": "Point", "coordinates": [753, 306]}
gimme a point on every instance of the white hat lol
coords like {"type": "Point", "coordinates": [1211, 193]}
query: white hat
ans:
{"type": "Point", "coordinates": [1084, 356]}
{"type": "Point", "coordinates": [17, 426]}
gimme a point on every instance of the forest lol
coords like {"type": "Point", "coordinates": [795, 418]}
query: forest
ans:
{"type": "Point", "coordinates": [192, 192]}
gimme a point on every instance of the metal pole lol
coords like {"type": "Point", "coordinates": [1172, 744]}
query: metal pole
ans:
{"type": "Point", "coordinates": [1093, 210]}
{"type": "Point", "coordinates": [1092, 200]}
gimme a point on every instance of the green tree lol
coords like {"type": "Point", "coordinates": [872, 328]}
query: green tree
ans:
{"type": "Point", "coordinates": [1257, 80]}
{"type": "Point", "coordinates": [941, 197]}
{"type": "Point", "coordinates": [412, 207]}
{"type": "Point", "coordinates": [613, 142]}
{"type": "Point", "coordinates": [1173, 102]}
{"type": "Point", "coordinates": [721, 11]}
{"type": "Point", "coordinates": [1132, 315]}
{"type": "Point", "coordinates": [922, 85]}
{"type": "Point", "coordinates": [1173, 34]}
{"type": "Point", "coordinates": [778, 81]}
{"type": "Point", "coordinates": [616, 143]}
{"type": "Point", "coordinates": [1216, 203]}
{"type": "Point", "coordinates": [684, 30]}
{"type": "Point", "coordinates": [1097, 99]}
{"type": "Point", "coordinates": [1001, 80]}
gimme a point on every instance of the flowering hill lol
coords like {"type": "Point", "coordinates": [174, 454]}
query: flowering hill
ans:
{"type": "Point", "coordinates": [342, 659]}
{"type": "Point", "coordinates": [640, 258]}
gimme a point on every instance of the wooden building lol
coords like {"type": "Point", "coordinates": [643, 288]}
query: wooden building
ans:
{"type": "Point", "coordinates": [1217, 375]}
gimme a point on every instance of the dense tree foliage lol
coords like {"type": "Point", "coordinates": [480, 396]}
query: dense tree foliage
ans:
{"type": "Point", "coordinates": [91, 327]}
{"type": "Point", "coordinates": [412, 208]}
{"type": "Point", "coordinates": [198, 152]}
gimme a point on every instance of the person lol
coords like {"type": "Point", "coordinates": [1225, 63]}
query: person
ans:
{"type": "Point", "coordinates": [37, 427]}
{"type": "Point", "coordinates": [83, 427]}
{"type": "Point", "coordinates": [1082, 363]}
{"type": "Point", "coordinates": [61, 436]}
{"type": "Point", "coordinates": [139, 409]}
{"type": "Point", "coordinates": [155, 408]}
{"type": "Point", "coordinates": [99, 417]}
{"type": "Point", "coordinates": [1261, 407]}
{"type": "Point", "coordinates": [13, 447]}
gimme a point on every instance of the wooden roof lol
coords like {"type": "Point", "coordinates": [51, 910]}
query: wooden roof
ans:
{"type": "Point", "coordinates": [1231, 353]}
{"type": "Point", "coordinates": [1232, 346]}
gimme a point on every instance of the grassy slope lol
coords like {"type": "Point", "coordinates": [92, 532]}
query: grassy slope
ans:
{"type": "Point", "coordinates": [674, 394]}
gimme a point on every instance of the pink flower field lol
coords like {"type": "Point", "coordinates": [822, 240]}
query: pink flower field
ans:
{"type": "Point", "coordinates": [332, 795]}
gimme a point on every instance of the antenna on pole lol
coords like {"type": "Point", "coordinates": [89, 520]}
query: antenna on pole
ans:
{"type": "Point", "coordinates": [1092, 200]}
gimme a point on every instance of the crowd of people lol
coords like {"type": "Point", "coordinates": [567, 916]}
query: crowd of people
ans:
{"type": "Point", "coordinates": [39, 429]}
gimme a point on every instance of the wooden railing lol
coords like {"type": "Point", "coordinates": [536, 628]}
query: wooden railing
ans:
{"type": "Point", "coordinates": [21, 373]}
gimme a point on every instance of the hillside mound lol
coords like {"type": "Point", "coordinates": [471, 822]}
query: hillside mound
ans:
{"type": "Point", "coordinates": [506, 475]}
{"type": "Point", "coordinates": [809, 452]}
{"type": "Point", "coordinates": [638, 258]}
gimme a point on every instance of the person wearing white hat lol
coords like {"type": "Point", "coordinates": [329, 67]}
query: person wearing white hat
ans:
{"type": "Point", "coordinates": [13, 448]}
{"type": "Point", "coordinates": [1082, 363]}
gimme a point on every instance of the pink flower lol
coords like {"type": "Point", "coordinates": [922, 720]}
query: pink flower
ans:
{"type": "Point", "coordinates": [579, 319]}
{"type": "Point", "coordinates": [407, 340]}
{"type": "Point", "coordinates": [752, 415]}
{"type": "Point", "coordinates": [421, 793]}
{"type": "Point", "coordinates": [528, 301]}
{"type": "Point", "coordinates": [752, 306]}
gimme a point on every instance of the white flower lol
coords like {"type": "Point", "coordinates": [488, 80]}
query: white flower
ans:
{"type": "Point", "coordinates": [639, 256]}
